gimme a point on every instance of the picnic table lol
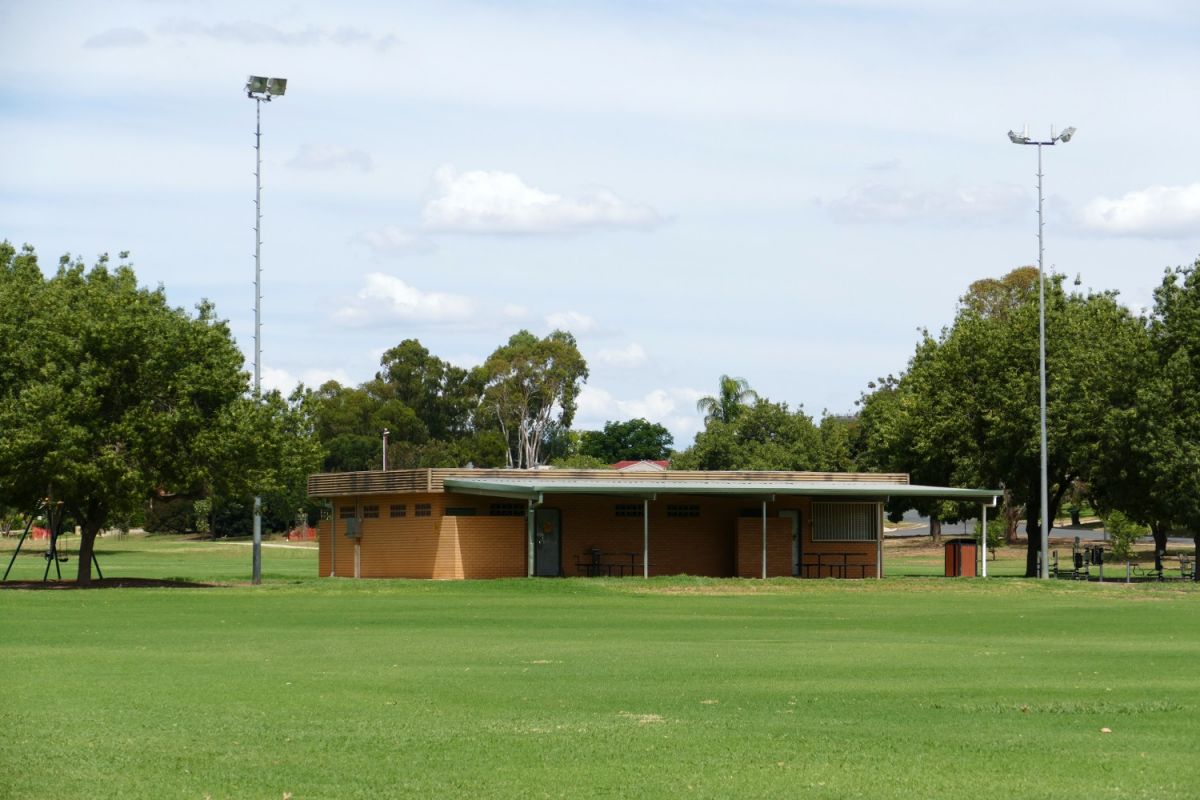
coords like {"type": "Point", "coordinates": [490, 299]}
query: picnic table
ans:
{"type": "Point", "coordinates": [596, 563]}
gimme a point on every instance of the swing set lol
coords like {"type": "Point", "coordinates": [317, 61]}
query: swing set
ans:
{"type": "Point", "coordinates": [52, 555]}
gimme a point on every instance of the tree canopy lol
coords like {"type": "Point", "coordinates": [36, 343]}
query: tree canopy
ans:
{"type": "Point", "coordinates": [966, 410]}
{"type": "Point", "coordinates": [106, 391]}
{"type": "Point", "coordinates": [531, 386]}
{"type": "Point", "coordinates": [633, 440]}
{"type": "Point", "coordinates": [733, 396]}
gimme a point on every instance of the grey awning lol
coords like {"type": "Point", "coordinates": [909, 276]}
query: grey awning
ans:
{"type": "Point", "coordinates": [534, 487]}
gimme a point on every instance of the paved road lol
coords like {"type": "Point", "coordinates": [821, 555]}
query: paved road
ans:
{"type": "Point", "coordinates": [921, 528]}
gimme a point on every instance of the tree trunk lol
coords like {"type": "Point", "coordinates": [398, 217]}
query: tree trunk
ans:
{"type": "Point", "coordinates": [1196, 557]}
{"type": "Point", "coordinates": [87, 546]}
{"type": "Point", "coordinates": [935, 530]}
{"type": "Point", "coordinates": [1033, 538]}
{"type": "Point", "coordinates": [1012, 515]}
{"type": "Point", "coordinates": [1160, 536]}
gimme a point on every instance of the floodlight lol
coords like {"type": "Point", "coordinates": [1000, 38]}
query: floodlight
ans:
{"type": "Point", "coordinates": [1067, 134]}
{"type": "Point", "coordinates": [1017, 138]}
{"type": "Point", "coordinates": [260, 89]}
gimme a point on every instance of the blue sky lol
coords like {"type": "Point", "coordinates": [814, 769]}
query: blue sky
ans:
{"type": "Point", "coordinates": [779, 191]}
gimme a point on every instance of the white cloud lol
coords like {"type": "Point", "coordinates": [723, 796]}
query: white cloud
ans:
{"type": "Point", "coordinates": [572, 321]}
{"type": "Point", "coordinates": [118, 37]}
{"type": "Point", "coordinates": [674, 408]}
{"type": "Point", "coordinates": [391, 240]}
{"type": "Point", "coordinates": [331, 156]}
{"type": "Point", "coordinates": [500, 202]}
{"type": "Point", "coordinates": [630, 356]}
{"type": "Point", "coordinates": [887, 202]}
{"type": "Point", "coordinates": [595, 403]}
{"type": "Point", "coordinates": [465, 360]}
{"type": "Point", "coordinates": [258, 33]}
{"type": "Point", "coordinates": [1156, 211]}
{"type": "Point", "coordinates": [514, 311]}
{"type": "Point", "coordinates": [284, 381]}
{"type": "Point", "coordinates": [387, 298]}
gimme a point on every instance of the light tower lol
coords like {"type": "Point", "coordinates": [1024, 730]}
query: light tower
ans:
{"type": "Point", "coordinates": [1024, 138]}
{"type": "Point", "coordinates": [259, 89]}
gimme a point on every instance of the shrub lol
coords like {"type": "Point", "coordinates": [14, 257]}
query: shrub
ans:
{"type": "Point", "coordinates": [1122, 532]}
{"type": "Point", "coordinates": [995, 533]}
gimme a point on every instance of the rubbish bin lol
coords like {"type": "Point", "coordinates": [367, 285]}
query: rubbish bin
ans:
{"type": "Point", "coordinates": [960, 558]}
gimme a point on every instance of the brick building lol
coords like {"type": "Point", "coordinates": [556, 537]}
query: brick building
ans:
{"type": "Point", "coordinates": [477, 523]}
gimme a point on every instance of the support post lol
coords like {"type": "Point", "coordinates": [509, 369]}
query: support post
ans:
{"type": "Point", "coordinates": [17, 552]}
{"type": "Point", "coordinates": [645, 538]}
{"type": "Point", "coordinates": [764, 539]}
{"type": "Point", "coordinates": [879, 544]}
{"type": "Point", "coordinates": [256, 559]}
{"type": "Point", "coordinates": [529, 536]}
{"type": "Point", "coordinates": [983, 543]}
{"type": "Point", "coordinates": [357, 558]}
{"type": "Point", "coordinates": [1044, 487]}
{"type": "Point", "coordinates": [333, 542]}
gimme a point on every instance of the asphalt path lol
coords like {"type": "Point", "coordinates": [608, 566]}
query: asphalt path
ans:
{"type": "Point", "coordinates": [916, 525]}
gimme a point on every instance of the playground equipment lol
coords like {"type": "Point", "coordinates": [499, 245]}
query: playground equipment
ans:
{"type": "Point", "coordinates": [52, 555]}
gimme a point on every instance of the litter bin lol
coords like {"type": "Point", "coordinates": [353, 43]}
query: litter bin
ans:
{"type": "Point", "coordinates": [960, 558]}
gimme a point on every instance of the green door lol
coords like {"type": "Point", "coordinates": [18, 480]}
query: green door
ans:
{"type": "Point", "coordinates": [547, 543]}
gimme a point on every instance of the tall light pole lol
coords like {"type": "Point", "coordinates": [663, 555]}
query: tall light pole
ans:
{"type": "Point", "coordinates": [259, 89]}
{"type": "Point", "coordinates": [1023, 138]}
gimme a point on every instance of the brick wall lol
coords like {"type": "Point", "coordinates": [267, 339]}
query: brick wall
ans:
{"type": "Point", "coordinates": [718, 541]}
{"type": "Point", "coordinates": [750, 547]}
{"type": "Point", "coordinates": [434, 546]}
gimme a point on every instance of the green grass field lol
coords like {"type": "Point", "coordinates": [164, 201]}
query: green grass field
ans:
{"type": "Point", "coordinates": [907, 687]}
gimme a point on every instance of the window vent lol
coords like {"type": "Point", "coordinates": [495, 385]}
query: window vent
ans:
{"type": "Point", "coordinates": [845, 522]}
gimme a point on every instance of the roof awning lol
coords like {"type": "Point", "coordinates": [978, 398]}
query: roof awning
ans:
{"type": "Point", "coordinates": [533, 488]}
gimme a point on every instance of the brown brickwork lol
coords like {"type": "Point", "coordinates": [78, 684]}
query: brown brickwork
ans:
{"type": "Point", "coordinates": [749, 547]}
{"type": "Point", "coordinates": [434, 546]}
{"type": "Point", "coordinates": [717, 541]}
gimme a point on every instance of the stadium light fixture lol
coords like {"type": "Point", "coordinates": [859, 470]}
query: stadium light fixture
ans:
{"type": "Point", "coordinates": [259, 89]}
{"type": "Point", "coordinates": [1065, 136]}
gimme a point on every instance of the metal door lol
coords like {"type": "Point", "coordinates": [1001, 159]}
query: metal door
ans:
{"type": "Point", "coordinates": [547, 543]}
{"type": "Point", "coordinates": [797, 542]}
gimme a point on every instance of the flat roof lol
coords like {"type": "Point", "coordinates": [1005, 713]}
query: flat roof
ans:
{"type": "Point", "coordinates": [532, 486]}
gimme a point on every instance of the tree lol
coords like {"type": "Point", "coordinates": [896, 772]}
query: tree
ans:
{"type": "Point", "coordinates": [530, 385]}
{"type": "Point", "coordinates": [634, 440]}
{"type": "Point", "coordinates": [104, 390]}
{"type": "Point", "coordinates": [966, 410]}
{"type": "Point", "coordinates": [441, 395]}
{"type": "Point", "coordinates": [839, 435]}
{"type": "Point", "coordinates": [733, 396]}
{"type": "Point", "coordinates": [1151, 458]}
{"type": "Point", "coordinates": [349, 426]}
{"type": "Point", "coordinates": [764, 436]}
{"type": "Point", "coordinates": [265, 446]}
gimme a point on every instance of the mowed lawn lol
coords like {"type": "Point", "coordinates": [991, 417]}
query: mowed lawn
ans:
{"type": "Point", "coordinates": [909, 687]}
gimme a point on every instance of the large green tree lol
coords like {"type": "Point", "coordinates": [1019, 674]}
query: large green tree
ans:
{"type": "Point", "coordinates": [632, 440]}
{"type": "Point", "coordinates": [1150, 464]}
{"type": "Point", "coordinates": [105, 390]}
{"type": "Point", "coordinates": [762, 436]}
{"type": "Point", "coordinates": [530, 389]}
{"type": "Point", "coordinates": [966, 410]}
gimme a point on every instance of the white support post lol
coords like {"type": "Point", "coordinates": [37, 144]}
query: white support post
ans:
{"type": "Point", "coordinates": [983, 543]}
{"type": "Point", "coordinates": [764, 540]}
{"type": "Point", "coordinates": [879, 544]}
{"type": "Point", "coordinates": [357, 558]}
{"type": "Point", "coordinates": [645, 538]}
{"type": "Point", "coordinates": [529, 532]}
{"type": "Point", "coordinates": [333, 542]}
